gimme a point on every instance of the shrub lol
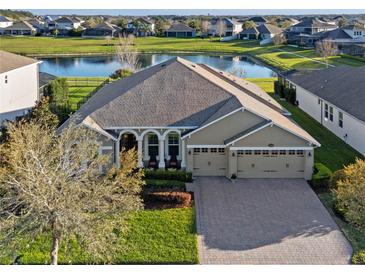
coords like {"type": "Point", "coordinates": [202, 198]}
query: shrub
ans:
{"type": "Point", "coordinates": [336, 176]}
{"type": "Point", "coordinates": [161, 174]}
{"type": "Point", "coordinates": [350, 194]}
{"type": "Point", "coordinates": [58, 91]}
{"type": "Point", "coordinates": [358, 257]}
{"type": "Point", "coordinates": [321, 176]}
{"type": "Point", "coordinates": [155, 183]}
{"type": "Point", "coordinates": [290, 95]}
{"type": "Point", "coordinates": [177, 197]}
{"type": "Point", "coordinates": [121, 73]}
{"type": "Point", "coordinates": [279, 89]}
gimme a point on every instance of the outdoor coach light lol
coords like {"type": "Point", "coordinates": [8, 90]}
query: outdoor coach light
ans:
{"type": "Point", "coordinates": [309, 154]}
{"type": "Point", "coordinates": [233, 154]}
{"type": "Point", "coordinates": [189, 152]}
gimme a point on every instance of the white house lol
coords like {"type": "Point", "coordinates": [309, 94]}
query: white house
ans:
{"type": "Point", "coordinates": [18, 85]}
{"type": "Point", "coordinates": [335, 97]}
{"type": "Point", "coordinates": [5, 22]}
{"type": "Point", "coordinates": [224, 27]}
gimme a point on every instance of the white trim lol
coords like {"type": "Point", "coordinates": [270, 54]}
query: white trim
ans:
{"type": "Point", "coordinates": [151, 127]}
{"type": "Point", "coordinates": [129, 131]}
{"type": "Point", "coordinates": [271, 148]}
{"type": "Point", "coordinates": [249, 133]}
{"type": "Point", "coordinates": [152, 131]}
{"type": "Point", "coordinates": [205, 146]}
{"type": "Point", "coordinates": [220, 118]}
{"type": "Point", "coordinates": [171, 130]}
{"type": "Point", "coordinates": [106, 148]}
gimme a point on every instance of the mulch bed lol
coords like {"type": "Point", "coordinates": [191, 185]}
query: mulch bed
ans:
{"type": "Point", "coordinates": [167, 198]}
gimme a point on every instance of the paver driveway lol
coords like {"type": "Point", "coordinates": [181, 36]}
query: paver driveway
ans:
{"type": "Point", "coordinates": [265, 221]}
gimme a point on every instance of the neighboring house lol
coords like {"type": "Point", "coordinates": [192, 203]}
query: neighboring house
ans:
{"type": "Point", "coordinates": [305, 32]}
{"type": "Point", "coordinates": [104, 29]}
{"type": "Point", "coordinates": [39, 25]}
{"type": "Point", "coordinates": [64, 25]}
{"type": "Point", "coordinates": [20, 28]}
{"type": "Point", "coordinates": [335, 97]}
{"type": "Point", "coordinates": [263, 32]}
{"type": "Point", "coordinates": [44, 79]}
{"type": "Point", "coordinates": [258, 20]}
{"type": "Point", "coordinates": [180, 30]}
{"type": "Point", "coordinates": [5, 22]}
{"type": "Point", "coordinates": [191, 116]}
{"type": "Point", "coordinates": [224, 27]}
{"type": "Point", "coordinates": [141, 27]}
{"type": "Point", "coordinates": [349, 39]}
{"type": "Point", "coordinates": [18, 85]}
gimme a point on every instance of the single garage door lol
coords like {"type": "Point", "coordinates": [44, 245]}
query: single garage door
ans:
{"type": "Point", "coordinates": [270, 163]}
{"type": "Point", "coordinates": [209, 162]}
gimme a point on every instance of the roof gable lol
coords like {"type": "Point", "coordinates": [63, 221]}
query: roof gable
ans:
{"type": "Point", "coordinates": [11, 61]}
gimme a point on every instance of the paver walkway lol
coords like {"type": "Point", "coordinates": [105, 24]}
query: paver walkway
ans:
{"type": "Point", "coordinates": [265, 221]}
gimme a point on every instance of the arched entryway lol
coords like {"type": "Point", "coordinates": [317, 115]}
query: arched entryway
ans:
{"type": "Point", "coordinates": [128, 141]}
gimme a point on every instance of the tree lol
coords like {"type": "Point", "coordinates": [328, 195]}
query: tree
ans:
{"type": "Point", "coordinates": [279, 39]}
{"type": "Point", "coordinates": [55, 33]}
{"type": "Point", "coordinates": [325, 49]}
{"type": "Point", "coordinates": [221, 28]}
{"type": "Point", "coordinates": [195, 24]}
{"type": "Point", "coordinates": [122, 23]}
{"type": "Point", "coordinates": [248, 25]}
{"type": "Point", "coordinates": [58, 91]}
{"type": "Point", "coordinates": [349, 193]}
{"type": "Point", "coordinates": [52, 187]}
{"type": "Point", "coordinates": [205, 27]}
{"type": "Point", "coordinates": [126, 54]}
{"type": "Point", "coordinates": [42, 114]}
{"type": "Point", "coordinates": [161, 25]}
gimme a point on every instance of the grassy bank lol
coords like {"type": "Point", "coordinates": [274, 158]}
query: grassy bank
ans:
{"type": "Point", "coordinates": [152, 237]}
{"type": "Point", "coordinates": [279, 57]}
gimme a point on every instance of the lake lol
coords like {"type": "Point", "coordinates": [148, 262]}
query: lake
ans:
{"type": "Point", "coordinates": [106, 65]}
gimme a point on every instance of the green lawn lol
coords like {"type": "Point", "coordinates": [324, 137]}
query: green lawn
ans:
{"type": "Point", "coordinates": [81, 87]}
{"type": "Point", "coordinates": [152, 237]}
{"type": "Point", "coordinates": [334, 153]}
{"type": "Point", "coordinates": [268, 54]}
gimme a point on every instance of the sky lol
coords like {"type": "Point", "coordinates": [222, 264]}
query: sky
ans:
{"type": "Point", "coordinates": [144, 12]}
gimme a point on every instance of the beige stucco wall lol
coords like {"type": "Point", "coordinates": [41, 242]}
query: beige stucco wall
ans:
{"type": "Point", "coordinates": [216, 133]}
{"type": "Point", "coordinates": [271, 135]}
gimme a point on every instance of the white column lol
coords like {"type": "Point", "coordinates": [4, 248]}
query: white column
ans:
{"type": "Point", "coordinates": [183, 161]}
{"type": "Point", "coordinates": [139, 152]}
{"type": "Point", "coordinates": [161, 153]}
{"type": "Point", "coordinates": [117, 153]}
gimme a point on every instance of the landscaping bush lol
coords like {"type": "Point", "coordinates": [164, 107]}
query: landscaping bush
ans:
{"type": "Point", "coordinates": [279, 89]}
{"type": "Point", "coordinates": [321, 176]}
{"type": "Point", "coordinates": [121, 73]}
{"type": "Point", "coordinates": [161, 174]}
{"type": "Point", "coordinates": [336, 176]}
{"type": "Point", "coordinates": [358, 257]}
{"type": "Point", "coordinates": [290, 95]}
{"type": "Point", "coordinates": [350, 194]}
{"type": "Point", "coordinates": [58, 91]}
{"type": "Point", "coordinates": [179, 198]}
{"type": "Point", "coordinates": [169, 184]}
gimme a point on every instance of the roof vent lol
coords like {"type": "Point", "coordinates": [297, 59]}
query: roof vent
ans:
{"type": "Point", "coordinates": [221, 72]}
{"type": "Point", "coordinates": [193, 66]}
{"type": "Point", "coordinates": [326, 81]}
{"type": "Point", "coordinates": [163, 65]}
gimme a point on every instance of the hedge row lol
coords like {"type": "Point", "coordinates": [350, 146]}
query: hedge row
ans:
{"type": "Point", "coordinates": [161, 174]}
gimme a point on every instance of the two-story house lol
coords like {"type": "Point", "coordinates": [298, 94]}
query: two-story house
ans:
{"type": "Point", "coordinates": [19, 85]}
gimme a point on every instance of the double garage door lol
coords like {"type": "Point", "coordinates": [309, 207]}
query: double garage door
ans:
{"type": "Point", "coordinates": [270, 164]}
{"type": "Point", "coordinates": [250, 163]}
{"type": "Point", "coordinates": [210, 162]}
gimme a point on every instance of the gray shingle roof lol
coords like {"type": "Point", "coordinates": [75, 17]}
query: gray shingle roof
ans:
{"type": "Point", "coordinates": [21, 25]}
{"type": "Point", "coordinates": [342, 86]}
{"type": "Point", "coordinates": [45, 78]}
{"type": "Point", "coordinates": [269, 29]}
{"type": "Point", "coordinates": [180, 27]}
{"type": "Point", "coordinates": [253, 30]}
{"type": "Point", "coordinates": [258, 19]}
{"type": "Point", "coordinates": [10, 61]}
{"type": "Point", "coordinates": [4, 19]}
{"type": "Point", "coordinates": [334, 34]}
{"type": "Point", "coordinates": [178, 93]}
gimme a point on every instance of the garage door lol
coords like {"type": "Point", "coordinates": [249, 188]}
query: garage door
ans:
{"type": "Point", "coordinates": [270, 163]}
{"type": "Point", "coordinates": [209, 162]}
